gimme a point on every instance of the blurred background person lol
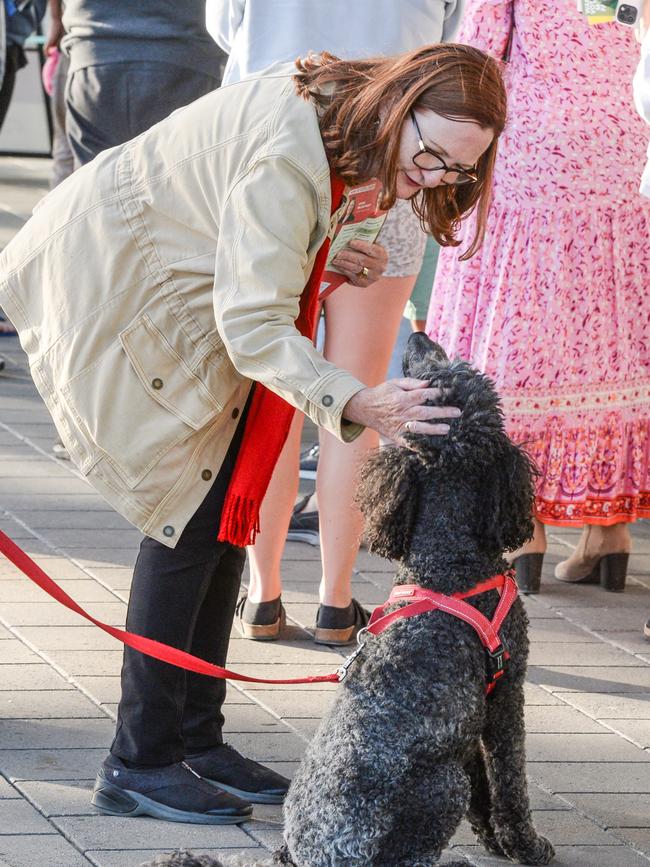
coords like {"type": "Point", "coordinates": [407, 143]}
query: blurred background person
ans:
{"type": "Point", "coordinates": [132, 64]}
{"type": "Point", "coordinates": [642, 101]}
{"type": "Point", "coordinates": [18, 20]}
{"type": "Point", "coordinates": [125, 66]}
{"type": "Point", "coordinates": [554, 307]}
{"type": "Point", "coordinates": [62, 158]}
{"type": "Point", "coordinates": [361, 325]}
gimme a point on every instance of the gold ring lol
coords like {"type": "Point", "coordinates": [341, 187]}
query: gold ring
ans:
{"type": "Point", "coordinates": [364, 272]}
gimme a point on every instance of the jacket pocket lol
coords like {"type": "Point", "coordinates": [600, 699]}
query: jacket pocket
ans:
{"type": "Point", "coordinates": [139, 400]}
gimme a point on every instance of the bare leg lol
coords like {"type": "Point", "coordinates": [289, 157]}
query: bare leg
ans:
{"type": "Point", "coordinates": [264, 557]}
{"type": "Point", "coordinates": [361, 327]}
{"type": "Point", "coordinates": [537, 545]}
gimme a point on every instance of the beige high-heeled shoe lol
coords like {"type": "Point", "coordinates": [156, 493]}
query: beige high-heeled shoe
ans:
{"type": "Point", "coordinates": [601, 556]}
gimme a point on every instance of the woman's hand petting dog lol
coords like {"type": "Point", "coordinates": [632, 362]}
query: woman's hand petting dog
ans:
{"type": "Point", "coordinates": [361, 262]}
{"type": "Point", "coordinates": [397, 408]}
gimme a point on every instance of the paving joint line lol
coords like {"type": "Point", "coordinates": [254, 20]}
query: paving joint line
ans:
{"type": "Point", "coordinates": [69, 678]}
{"type": "Point", "coordinates": [562, 797]}
{"type": "Point", "coordinates": [26, 797]}
{"type": "Point", "coordinates": [600, 636]}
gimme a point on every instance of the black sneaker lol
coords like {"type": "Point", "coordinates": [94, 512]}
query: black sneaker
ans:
{"type": "Point", "coordinates": [646, 629]}
{"type": "Point", "coordinates": [224, 767]}
{"type": "Point", "coordinates": [309, 462]}
{"type": "Point", "coordinates": [339, 626]}
{"type": "Point", "coordinates": [174, 792]}
{"type": "Point", "coordinates": [303, 526]}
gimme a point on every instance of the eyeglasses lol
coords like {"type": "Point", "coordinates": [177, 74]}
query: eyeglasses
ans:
{"type": "Point", "coordinates": [430, 161]}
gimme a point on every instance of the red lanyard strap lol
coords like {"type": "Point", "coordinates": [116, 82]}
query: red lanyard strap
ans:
{"type": "Point", "coordinates": [157, 649]}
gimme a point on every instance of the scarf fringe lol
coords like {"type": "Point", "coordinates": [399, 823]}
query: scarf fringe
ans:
{"type": "Point", "coordinates": [240, 522]}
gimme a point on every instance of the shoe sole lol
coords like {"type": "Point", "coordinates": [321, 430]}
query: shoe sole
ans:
{"type": "Point", "coordinates": [262, 632]}
{"type": "Point", "coordinates": [307, 536]}
{"type": "Point", "coordinates": [253, 797]}
{"type": "Point", "coordinates": [113, 801]}
{"type": "Point", "coordinates": [335, 637]}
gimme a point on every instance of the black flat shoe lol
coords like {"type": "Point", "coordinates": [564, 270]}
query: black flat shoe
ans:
{"type": "Point", "coordinates": [338, 626]}
{"type": "Point", "coordinates": [227, 769]}
{"type": "Point", "coordinates": [528, 571]}
{"type": "Point", "coordinates": [304, 526]}
{"type": "Point", "coordinates": [173, 792]}
{"type": "Point", "coordinates": [260, 621]}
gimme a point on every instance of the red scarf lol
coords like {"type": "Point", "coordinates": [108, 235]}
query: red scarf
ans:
{"type": "Point", "coordinates": [268, 422]}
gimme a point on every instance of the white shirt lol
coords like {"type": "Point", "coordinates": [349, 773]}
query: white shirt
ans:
{"type": "Point", "coordinates": [258, 33]}
{"type": "Point", "coordinates": [642, 101]}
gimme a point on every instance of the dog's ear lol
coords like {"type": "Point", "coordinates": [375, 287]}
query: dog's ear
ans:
{"type": "Point", "coordinates": [507, 496]}
{"type": "Point", "coordinates": [388, 499]}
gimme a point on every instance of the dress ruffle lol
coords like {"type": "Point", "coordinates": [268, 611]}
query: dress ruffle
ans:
{"type": "Point", "coordinates": [555, 310]}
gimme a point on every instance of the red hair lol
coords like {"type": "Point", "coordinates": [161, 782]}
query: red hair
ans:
{"type": "Point", "coordinates": [363, 105]}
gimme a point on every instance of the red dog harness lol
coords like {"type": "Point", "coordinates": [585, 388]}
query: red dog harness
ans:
{"type": "Point", "coordinates": [421, 601]}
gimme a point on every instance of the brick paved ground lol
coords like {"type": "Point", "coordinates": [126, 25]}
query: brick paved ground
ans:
{"type": "Point", "coordinates": [588, 705]}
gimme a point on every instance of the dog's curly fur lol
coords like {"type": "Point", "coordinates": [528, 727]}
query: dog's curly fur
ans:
{"type": "Point", "coordinates": [412, 744]}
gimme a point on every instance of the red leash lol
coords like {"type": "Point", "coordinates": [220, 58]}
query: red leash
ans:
{"type": "Point", "coordinates": [157, 649]}
{"type": "Point", "coordinates": [419, 599]}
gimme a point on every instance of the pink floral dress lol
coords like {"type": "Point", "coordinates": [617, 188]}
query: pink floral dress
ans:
{"type": "Point", "coordinates": [555, 307]}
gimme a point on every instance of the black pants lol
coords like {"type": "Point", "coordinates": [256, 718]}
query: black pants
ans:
{"type": "Point", "coordinates": [183, 596]}
{"type": "Point", "coordinates": [14, 60]}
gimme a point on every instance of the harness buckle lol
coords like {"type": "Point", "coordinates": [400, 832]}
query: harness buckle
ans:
{"type": "Point", "coordinates": [495, 663]}
{"type": "Point", "coordinates": [342, 670]}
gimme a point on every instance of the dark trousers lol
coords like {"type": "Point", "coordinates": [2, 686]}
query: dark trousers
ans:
{"type": "Point", "coordinates": [14, 60]}
{"type": "Point", "coordinates": [183, 596]}
{"type": "Point", "coordinates": [110, 104]}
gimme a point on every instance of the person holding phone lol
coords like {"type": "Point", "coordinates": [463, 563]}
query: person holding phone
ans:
{"type": "Point", "coordinates": [554, 307]}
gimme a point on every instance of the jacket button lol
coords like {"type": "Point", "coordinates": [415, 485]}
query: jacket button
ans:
{"type": "Point", "coordinates": [206, 475]}
{"type": "Point", "coordinates": [234, 413]}
{"type": "Point", "coordinates": [168, 530]}
{"type": "Point", "coordinates": [157, 383]}
{"type": "Point", "coordinates": [327, 400]}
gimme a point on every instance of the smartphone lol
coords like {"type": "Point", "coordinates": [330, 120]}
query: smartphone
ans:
{"type": "Point", "coordinates": [629, 12]}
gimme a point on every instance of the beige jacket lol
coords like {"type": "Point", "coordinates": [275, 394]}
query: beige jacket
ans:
{"type": "Point", "coordinates": [152, 287]}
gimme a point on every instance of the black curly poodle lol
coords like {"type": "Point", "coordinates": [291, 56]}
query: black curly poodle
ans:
{"type": "Point", "coordinates": [412, 744]}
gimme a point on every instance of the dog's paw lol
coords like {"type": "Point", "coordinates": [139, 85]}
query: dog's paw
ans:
{"type": "Point", "coordinates": [490, 844]}
{"type": "Point", "coordinates": [538, 850]}
{"type": "Point", "coordinates": [544, 852]}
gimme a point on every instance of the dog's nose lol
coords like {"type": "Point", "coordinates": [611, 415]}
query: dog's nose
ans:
{"type": "Point", "coordinates": [422, 346]}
